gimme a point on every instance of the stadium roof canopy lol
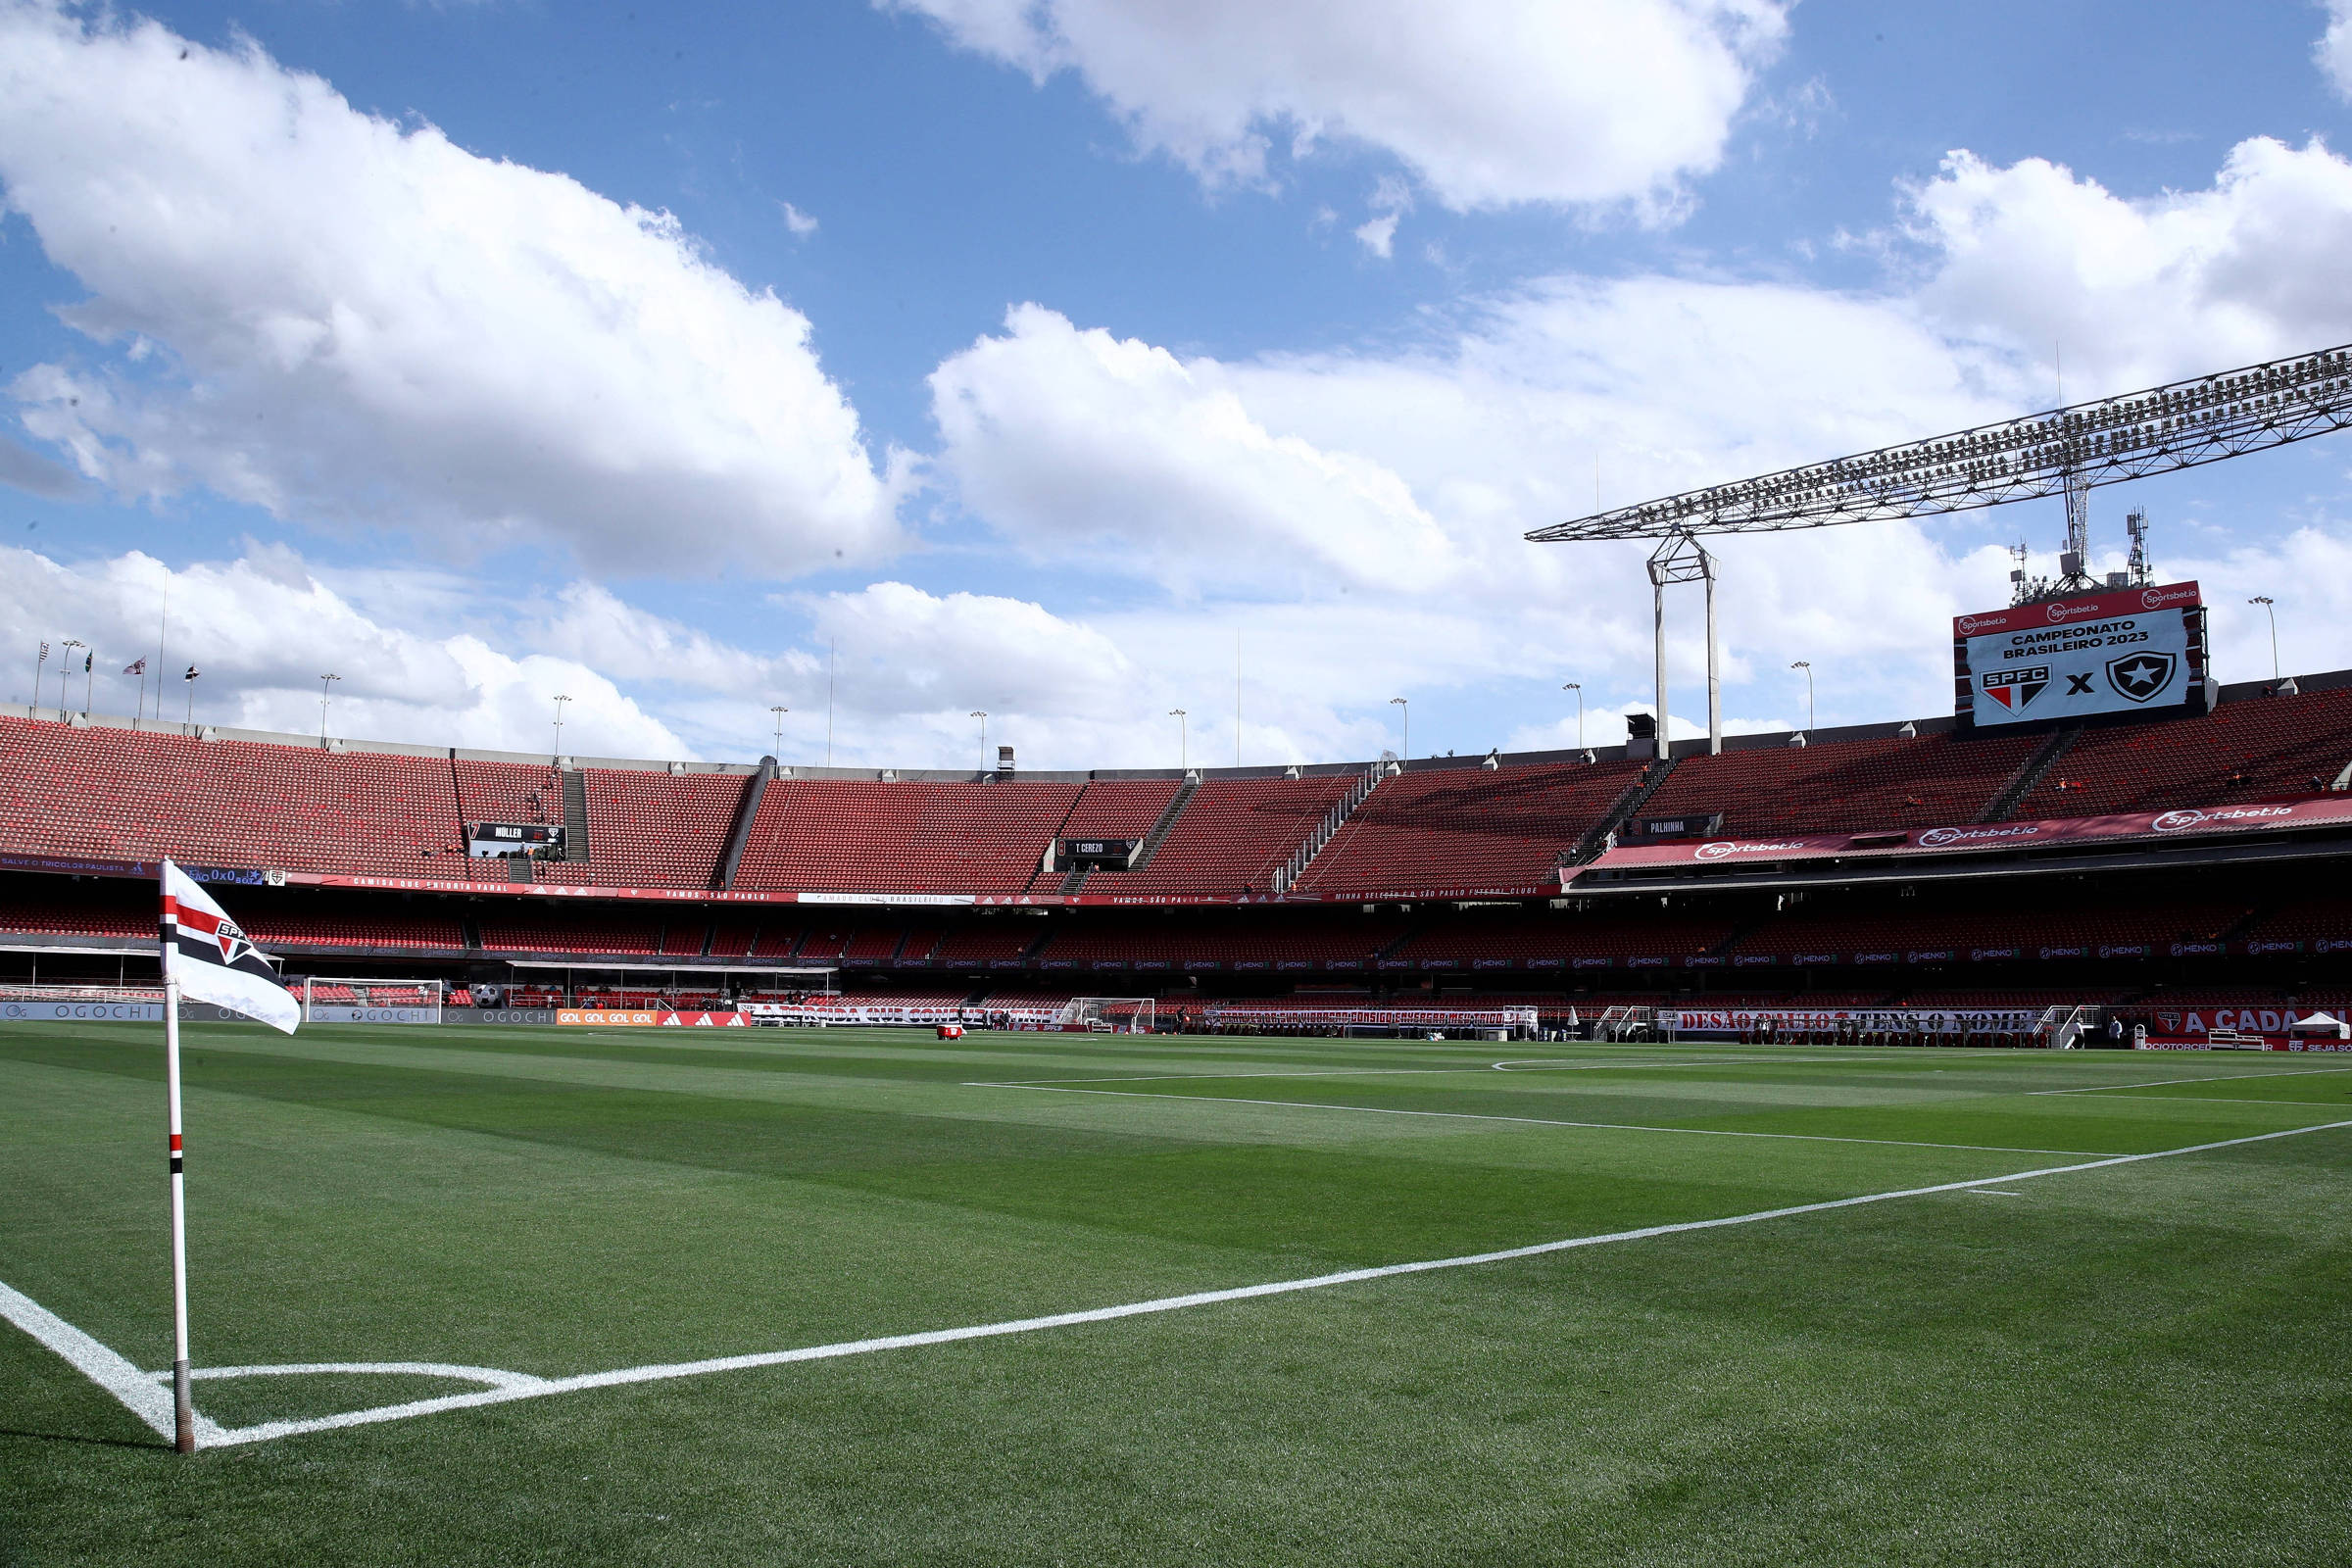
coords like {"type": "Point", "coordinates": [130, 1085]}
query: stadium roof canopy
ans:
{"type": "Point", "coordinates": [2179, 425]}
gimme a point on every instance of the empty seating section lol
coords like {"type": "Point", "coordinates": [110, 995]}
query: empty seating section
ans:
{"type": "Point", "coordinates": [1467, 827]}
{"type": "Point", "coordinates": [508, 791]}
{"type": "Point", "coordinates": [2118, 923]}
{"type": "Point", "coordinates": [2304, 921]}
{"type": "Point", "coordinates": [1845, 786]}
{"type": "Point", "coordinates": [2258, 749]}
{"type": "Point", "coordinates": [75, 917]}
{"type": "Point", "coordinates": [1120, 808]}
{"type": "Point", "coordinates": [983, 940]}
{"type": "Point", "coordinates": [650, 829]}
{"type": "Point", "coordinates": [1184, 937]}
{"type": "Point", "coordinates": [614, 933]}
{"type": "Point", "coordinates": [1232, 836]}
{"type": "Point", "coordinates": [1599, 935]}
{"type": "Point", "coordinates": [438, 933]}
{"type": "Point", "coordinates": [733, 939]}
{"type": "Point", "coordinates": [885, 836]}
{"type": "Point", "coordinates": [683, 936]}
{"type": "Point", "coordinates": [125, 795]}
{"type": "Point", "coordinates": [872, 944]}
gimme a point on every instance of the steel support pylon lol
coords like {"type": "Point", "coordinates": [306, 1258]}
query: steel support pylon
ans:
{"type": "Point", "coordinates": [1680, 558]}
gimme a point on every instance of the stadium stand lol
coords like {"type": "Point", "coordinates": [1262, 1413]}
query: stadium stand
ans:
{"type": "Point", "coordinates": [1120, 808]}
{"type": "Point", "coordinates": [1232, 837]}
{"type": "Point", "coordinates": [440, 933]}
{"type": "Point", "coordinates": [1462, 827]}
{"type": "Point", "coordinates": [2260, 748]}
{"type": "Point", "coordinates": [978, 941]}
{"type": "Point", "coordinates": [139, 794]}
{"type": "Point", "coordinates": [1846, 786]}
{"type": "Point", "coordinates": [851, 835]}
{"type": "Point", "coordinates": [660, 829]}
{"type": "Point", "coordinates": [526, 932]}
{"type": "Point", "coordinates": [1187, 937]}
{"type": "Point", "coordinates": [77, 917]}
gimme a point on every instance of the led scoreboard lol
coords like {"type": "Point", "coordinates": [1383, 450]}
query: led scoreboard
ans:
{"type": "Point", "coordinates": [2120, 651]}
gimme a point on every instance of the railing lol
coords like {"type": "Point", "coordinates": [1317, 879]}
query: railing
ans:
{"type": "Point", "coordinates": [1621, 1022]}
{"type": "Point", "coordinates": [1325, 830]}
{"type": "Point", "coordinates": [2060, 1027]}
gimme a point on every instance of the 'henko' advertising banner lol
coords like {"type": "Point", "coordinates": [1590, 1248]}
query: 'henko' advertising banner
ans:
{"type": "Point", "coordinates": [2128, 651]}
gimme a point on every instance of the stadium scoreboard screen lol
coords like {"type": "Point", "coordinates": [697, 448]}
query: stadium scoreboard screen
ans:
{"type": "Point", "coordinates": [2120, 651]}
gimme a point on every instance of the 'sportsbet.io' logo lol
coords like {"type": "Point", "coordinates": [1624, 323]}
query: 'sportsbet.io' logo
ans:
{"type": "Point", "coordinates": [1936, 837]}
{"type": "Point", "coordinates": [2176, 821]}
{"type": "Point", "coordinates": [2158, 598]}
{"type": "Point", "coordinates": [1724, 849]}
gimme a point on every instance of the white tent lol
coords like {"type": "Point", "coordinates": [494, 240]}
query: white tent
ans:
{"type": "Point", "coordinates": [2319, 1023]}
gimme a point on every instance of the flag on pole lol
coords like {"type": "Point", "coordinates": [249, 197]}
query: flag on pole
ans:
{"type": "Point", "coordinates": [192, 674]}
{"type": "Point", "coordinates": [139, 668]}
{"type": "Point", "coordinates": [209, 957]}
{"type": "Point", "coordinates": [89, 660]}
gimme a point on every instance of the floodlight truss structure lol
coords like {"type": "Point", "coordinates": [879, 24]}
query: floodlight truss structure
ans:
{"type": "Point", "coordinates": [2064, 452]}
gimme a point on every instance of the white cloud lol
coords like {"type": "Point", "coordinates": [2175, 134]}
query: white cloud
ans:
{"type": "Point", "coordinates": [2333, 51]}
{"type": "Point", "coordinates": [319, 312]}
{"type": "Point", "coordinates": [1076, 442]}
{"type": "Point", "coordinates": [1391, 201]}
{"type": "Point", "coordinates": [1489, 102]}
{"type": "Point", "coordinates": [262, 629]}
{"type": "Point", "coordinates": [801, 224]}
{"type": "Point", "coordinates": [35, 474]}
{"type": "Point", "coordinates": [2148, 290]}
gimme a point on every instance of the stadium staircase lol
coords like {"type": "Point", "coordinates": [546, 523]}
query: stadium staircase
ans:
{"type": "Point", "coordinates": [575, 815]}
{"type": "Point", "coordinates": [1637, 795]}
{"type": "Point", "coordinates": [740, 834]}
{"type": "Point", "coordinates": [1073, 880]}
{"type": "Point", "coordinates": [1167, 821]}
{"type": "Point", "coordinates": [1328, 829]}
{"type": "Point", "coordinates": [2034, 769]}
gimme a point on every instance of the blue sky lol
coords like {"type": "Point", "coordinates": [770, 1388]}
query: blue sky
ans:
{"type": "Point", "coordinates": [1025, 356]}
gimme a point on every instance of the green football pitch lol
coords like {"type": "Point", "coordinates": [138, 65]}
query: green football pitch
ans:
{"type": "Point", "coordinates": [858, 1297]}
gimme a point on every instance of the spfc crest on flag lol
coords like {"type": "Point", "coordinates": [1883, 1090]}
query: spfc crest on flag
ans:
{"type": "Point", "coordinates": [2015, 688]}
{"type": "Point", "coordinates": [2137, 677]}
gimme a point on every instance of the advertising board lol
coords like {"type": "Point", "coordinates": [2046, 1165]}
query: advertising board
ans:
{"type": "Point", "coordinates": [2128, 651]}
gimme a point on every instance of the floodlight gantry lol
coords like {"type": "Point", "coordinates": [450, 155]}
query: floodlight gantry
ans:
{"type": "Point", "coordinates": [2068, 451]}
{"type": "Point", "coordinates": [2064, 452]}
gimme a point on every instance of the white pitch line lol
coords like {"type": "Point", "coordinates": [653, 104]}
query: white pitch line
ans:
{"type": "Point", "coordinates": [139, 1393]}
{"type": "Point", "coordinates": [1535, 1122]}
{"type": "Point", "coordinates": [1531, 1065]}
{"type": "Point", "coordinates": [2204, 1078]}
{"type": "Point", "coordinates": [541, 1388]}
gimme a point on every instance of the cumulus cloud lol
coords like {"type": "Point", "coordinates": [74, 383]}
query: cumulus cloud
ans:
{"type": "Point", "coordinates": [35, 474]}
{"type": "Point", "coordinates": [801, 224]}
{"type": "Point", "coordinates": [341, 319]}
{"type": "Point", "coordinates": [2137, 291]}
{"type": "Point", "coordinates": [1074, 441]}
{"type": "Point", "coordinates": [262, 629]}
{"type": "Point", "coordinates": [2334, 52]}
{"type": "Point", "coordinates": [1488, 102]}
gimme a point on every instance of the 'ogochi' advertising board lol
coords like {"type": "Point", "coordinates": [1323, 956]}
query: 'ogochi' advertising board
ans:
{"type": "Point", "coordinates": [2131, 650]}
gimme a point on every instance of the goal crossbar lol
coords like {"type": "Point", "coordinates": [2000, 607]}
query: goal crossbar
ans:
{"type": "Point", "coordinates": [1108, 1014]}
{"type": "Point", "coordinates": [334, 999]}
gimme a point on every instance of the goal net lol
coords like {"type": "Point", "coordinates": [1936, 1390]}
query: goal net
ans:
{"type": "Point", "coordinates": [327, 1000]}
{"type": "Point", "coordinates": [1104, 1015]}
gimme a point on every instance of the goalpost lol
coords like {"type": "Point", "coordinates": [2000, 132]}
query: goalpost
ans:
{"type": "Point", "coordinates": [1104, 1015]}
{"type": "Point", "coordinates": [326, 998]}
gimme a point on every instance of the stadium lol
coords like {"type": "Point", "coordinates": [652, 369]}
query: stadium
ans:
{"type": "Point", "coordinates": [1920, 1137]}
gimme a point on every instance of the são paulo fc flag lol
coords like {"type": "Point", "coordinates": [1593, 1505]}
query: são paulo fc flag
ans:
{"type": "Point", "coordinates": [208, 954]}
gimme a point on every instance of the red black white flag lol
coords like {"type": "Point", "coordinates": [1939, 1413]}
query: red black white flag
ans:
{"type": "Point", "coordinates": [209, 955]}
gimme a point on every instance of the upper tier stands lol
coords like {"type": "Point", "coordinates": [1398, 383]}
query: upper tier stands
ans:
{"type": "Point", "coordinates": [660, 829]}
{"type": "Point", "coordinates": [876, 836]}
{"type": "Point", "coordinates": [1468, 827]}
{"type": "Point", "coordinates": [103, 792]}
{"type": "Point", "coordinates": [2270, 748]}
{"type": "Point", "coordinates": [1232, 836]}
{"type": "Point", "coordinates": [126, 795]}
{"type": "Point", "coordinates": [1846, 786]}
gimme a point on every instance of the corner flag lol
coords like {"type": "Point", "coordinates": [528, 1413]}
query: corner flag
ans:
{"type": "Point", "coordinates": [208, 954]}
{"type": "Point", "coordinates": [205, 956]}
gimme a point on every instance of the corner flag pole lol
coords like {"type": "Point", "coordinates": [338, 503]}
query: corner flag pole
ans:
{"type": "Point", "coordinates": [183, 1405]}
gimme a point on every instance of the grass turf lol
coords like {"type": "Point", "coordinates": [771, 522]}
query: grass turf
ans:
{"type": "Point", "coordinates": [2142, 1363]}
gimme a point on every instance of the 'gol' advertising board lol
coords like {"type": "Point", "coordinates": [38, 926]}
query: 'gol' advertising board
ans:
{"type": "Point", "coordinates": [2131, 650]}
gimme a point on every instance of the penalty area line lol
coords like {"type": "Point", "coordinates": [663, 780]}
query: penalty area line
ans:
{"type": "Point", "coordinates": [137, 1383]}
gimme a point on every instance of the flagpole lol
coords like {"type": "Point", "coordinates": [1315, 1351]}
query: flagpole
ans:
{"type": "Point", "coordinates": [183, 1405]}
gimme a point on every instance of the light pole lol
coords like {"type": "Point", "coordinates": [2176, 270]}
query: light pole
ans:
{"type": "Point", "coordinates": [2264, 600]}
{"type": "Point", "coordinates": [1578, 688]}
{"type": "Point", "coordinates": [1806, 664]}
{"type": "Point", "coordinates": [980, 713]}
{"type": "Point", "coordinates": [65, 668]}
{"type": "Point", "coordinates": [1404, 744]}
{"type": "Point", "coordinates": [326, 685]}
{"type": "Point", "coordinates": [561, 700]}
{"type": "Point", "coordinates": [1183, 739]}
{"type": "Point", "coordinates": [40, 666]}
{"type": "Point", "coordinates": [89, 678]}
{"type": "Point", "coordinates": [779, 711]}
